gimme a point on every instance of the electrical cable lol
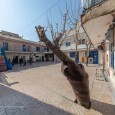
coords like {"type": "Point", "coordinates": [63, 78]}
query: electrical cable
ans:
{"type": "Point", "coordinates": [40, 16]}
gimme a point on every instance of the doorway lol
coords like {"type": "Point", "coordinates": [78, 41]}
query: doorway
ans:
{"type": "Point", "coordinates": [16, 59]}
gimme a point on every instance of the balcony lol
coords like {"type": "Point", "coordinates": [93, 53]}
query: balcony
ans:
{"type": "Point", "coordinates": [96, 18]}
{"type": "Point", "coordinates": [96, 8]}
{"type": "Point", "coordinates": [88, 4]}
{"type": "Point", "coordinates": [14, 48]}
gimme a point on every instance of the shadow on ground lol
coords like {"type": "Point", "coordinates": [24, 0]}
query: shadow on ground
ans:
{"type": "Point", "coordinates": [104, 108]}
{"type": "Point", "coordinates": [13, 102]}
{"type": "Point", "coordinates": [4, 81]}
{"type": "Point", "coordinates": [18, 68]}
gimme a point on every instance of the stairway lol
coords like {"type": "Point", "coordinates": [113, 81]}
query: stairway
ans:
{"type": "Point", "coordinates": [2, 64]}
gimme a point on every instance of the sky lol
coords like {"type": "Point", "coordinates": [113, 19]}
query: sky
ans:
{"type": "Point", "coordinates": [21, 16]}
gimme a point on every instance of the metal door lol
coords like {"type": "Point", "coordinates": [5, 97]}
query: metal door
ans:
{"type": "Point", "coordinates": [112, 59]}
{"type": "Point", "coordinates": [95, 57]}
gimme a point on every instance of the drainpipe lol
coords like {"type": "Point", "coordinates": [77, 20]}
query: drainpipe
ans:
{"type": "Point", "coordinates": [104, 50]}
{"type": "Point", "coordinates": [113, 43]}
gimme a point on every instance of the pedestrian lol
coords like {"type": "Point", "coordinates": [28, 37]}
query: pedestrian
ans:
{"type": "Point", "coordinates": [24, 62]}
{"type": "Point", "coordinates": [9, 60]}
{"type": "Point", "coordinates": [30, 61]}
{"type": "Point", "coordinates": [13, 61]}
{"type": "Point", "coordinates": [20, 61]}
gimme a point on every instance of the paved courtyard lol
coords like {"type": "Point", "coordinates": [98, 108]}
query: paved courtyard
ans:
{"type": "Point", "coordinates": [43, 90]}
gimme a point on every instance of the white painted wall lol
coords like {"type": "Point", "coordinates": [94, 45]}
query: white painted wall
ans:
{"type": "Point", "coordinates": [100, 57]}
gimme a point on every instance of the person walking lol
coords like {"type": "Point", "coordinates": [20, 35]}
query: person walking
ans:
{"type": "Point", "coordinates": [20, 61]}
{"type": "Point", "coordinates": [24, 62]}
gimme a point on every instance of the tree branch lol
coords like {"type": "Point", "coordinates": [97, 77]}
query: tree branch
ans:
{"type": "Point", "coordinates": [52, 47]}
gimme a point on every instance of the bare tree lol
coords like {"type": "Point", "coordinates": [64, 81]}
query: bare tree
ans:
{"type": "Point", "coordinates": [77, 43]}
{"type": "Point", "coordinates": [58, 37]}
{"type": "Point", "coordinates": [75, 23]}
{"type": "Point", "coordinates": [88, 46]}
{"type": "Point", "coordinates": [76, 74]}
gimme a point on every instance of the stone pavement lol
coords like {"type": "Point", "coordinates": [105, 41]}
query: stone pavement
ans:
{"type": "Point", "coordinates": [44, 90]}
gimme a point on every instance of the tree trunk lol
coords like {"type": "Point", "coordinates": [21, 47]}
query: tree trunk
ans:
{"type": "Point", "coordinates": [87, 54]}
{"type": "Point", "coordinates": [76, 54]}
{"type": "Point", "coordinates": [87, 60]}
{"type": "Point", "coordinates": [76, 75]}
{"type": "Point", "coordinates": [54, 48]}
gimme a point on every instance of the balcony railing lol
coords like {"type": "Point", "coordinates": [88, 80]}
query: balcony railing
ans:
{"type": "Point", "coordinates": [16, 48]}
{"type": "Point", "coordinates": [91, 3]}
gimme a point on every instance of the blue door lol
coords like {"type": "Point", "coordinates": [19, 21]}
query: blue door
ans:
{"type": "Point", "coordinates": [72, 55]}
{"type": "Point", "coordinates": [95, 57]}
{"type": "Point", "coordinates": [112, 59]}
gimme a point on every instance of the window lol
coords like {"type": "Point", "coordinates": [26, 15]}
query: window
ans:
{"type": "Point", "coordinates": [68, 44]}
{"type": "Point", "coordinates": [24, 48]}
{"type": "Point", "coordinates": [28, 48]}
{"type": "Point", "coordinates": [5, 45]}
{"type": "Point", "coordinates": [46, 49]}
{"type": "Point", "coordinates": [90, 3]}
{"type": "Point", "coordinates": [37, 49]}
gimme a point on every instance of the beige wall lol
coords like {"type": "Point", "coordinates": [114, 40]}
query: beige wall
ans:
{"type": "Point", "coordinates": [100, 57]}
{"type": "Point", "coordinates": [15, 48]}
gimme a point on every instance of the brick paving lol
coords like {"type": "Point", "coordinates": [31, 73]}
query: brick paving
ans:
{"type": "Point", "coordinates": [43, 90]}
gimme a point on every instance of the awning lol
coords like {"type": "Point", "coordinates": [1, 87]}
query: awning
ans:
{"type": "Point", "coordinates": [97, 27]}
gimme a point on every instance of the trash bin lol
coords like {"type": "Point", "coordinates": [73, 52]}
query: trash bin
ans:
{"type": "Point", "coordinates": [9, 66]}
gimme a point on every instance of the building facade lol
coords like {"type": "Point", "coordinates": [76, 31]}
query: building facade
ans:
{"type": "Point", "coordinates": [69, 46]}
{"type": "Point", "coordinates": [98, 21]}
{"type": "Point", "coordinates": [99, 15]}
{"type": "Point", "coordinates": [110, 50]}
{"type": "Point", "coordinates": [17, 47]}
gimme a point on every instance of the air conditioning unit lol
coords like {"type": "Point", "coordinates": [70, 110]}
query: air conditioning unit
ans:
{"type": "Point", "coordinates": [90, 60]}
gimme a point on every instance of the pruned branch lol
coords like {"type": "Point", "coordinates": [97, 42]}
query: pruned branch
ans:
{"type": "Point", "coordinates": [52, 31]}
{"type": "Point", "coordinates": [42, 36]}
{"type": "Point", "coordinates": [60, 35]}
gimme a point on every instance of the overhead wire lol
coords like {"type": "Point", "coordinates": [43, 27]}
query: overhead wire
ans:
{"type": "Point", "coordinates": [49, 9]}
{"type": "Point", "coordinates": [40, 16]}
